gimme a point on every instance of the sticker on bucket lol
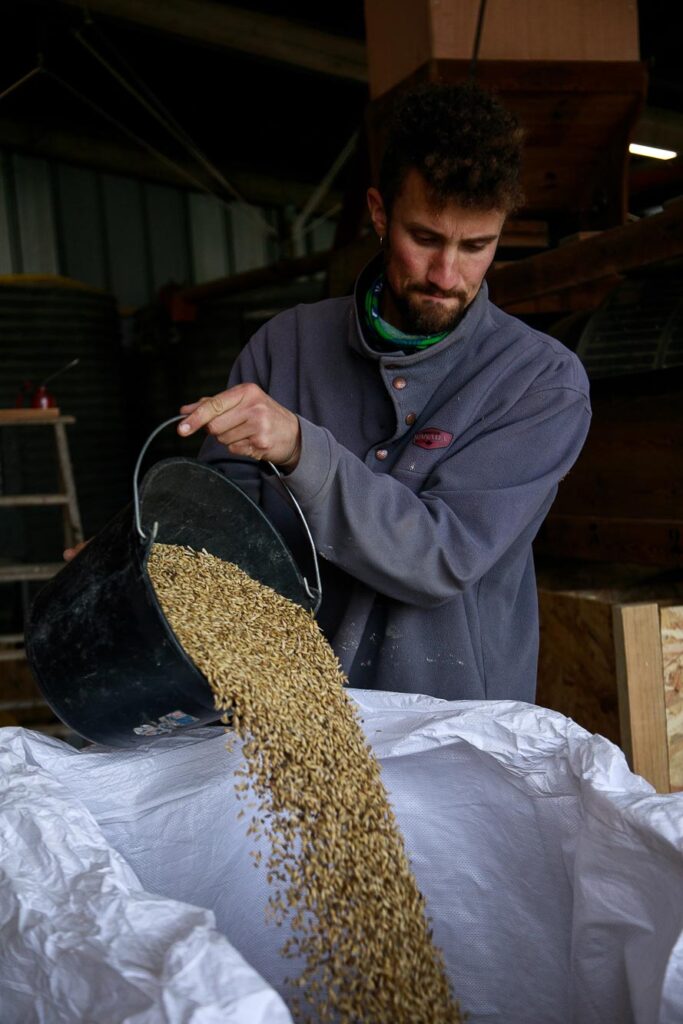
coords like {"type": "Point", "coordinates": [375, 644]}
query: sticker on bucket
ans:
{"type": "Point", "coordinates": [167, 723]}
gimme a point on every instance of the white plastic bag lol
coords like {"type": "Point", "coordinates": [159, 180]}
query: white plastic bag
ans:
{"type": "Point", "coordinates": [80, 940]}
{"type": "Point", "coordinates": [553, 876]}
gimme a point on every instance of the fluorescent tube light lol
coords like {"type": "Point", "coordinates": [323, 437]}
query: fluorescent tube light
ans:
{"type": "Point", "coordinates": [658, 154]}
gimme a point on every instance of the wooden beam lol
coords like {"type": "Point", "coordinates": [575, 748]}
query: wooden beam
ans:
{"type": "Point", "coordinates": [236, 28]}
{"type": "Point", "coordinates": [638, 244]}
{"type": "Point", "coordinates": [640, 684]}
{"type": "Point", "coordinates": [581, 297]}
{"type": "Point", "coordinates": [183, 303]}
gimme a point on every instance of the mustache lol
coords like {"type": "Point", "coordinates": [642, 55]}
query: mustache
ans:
{"type": "Point", "coordinates": [437, 293]}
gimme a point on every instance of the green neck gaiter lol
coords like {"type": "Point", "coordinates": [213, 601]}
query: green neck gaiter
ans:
{"type": "Point", "coordinates": [389, 334]}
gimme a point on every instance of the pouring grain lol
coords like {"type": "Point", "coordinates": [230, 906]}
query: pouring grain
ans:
{"type": "Point", "coordinates": [336, 860]}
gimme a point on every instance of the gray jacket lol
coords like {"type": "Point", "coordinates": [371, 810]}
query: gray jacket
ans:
{"type": "Point", "coordinates": [424, 478]}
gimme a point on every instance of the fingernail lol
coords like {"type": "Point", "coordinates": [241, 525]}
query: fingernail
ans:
{"type": "Point", "coordinates": [184, 428]}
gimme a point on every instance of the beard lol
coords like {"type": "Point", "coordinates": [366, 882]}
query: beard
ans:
{"type": "Point", "coordinates": [424, 318]}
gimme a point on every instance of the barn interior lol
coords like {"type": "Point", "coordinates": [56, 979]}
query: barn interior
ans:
{"type": "Point", "coordinates": [173, 175]}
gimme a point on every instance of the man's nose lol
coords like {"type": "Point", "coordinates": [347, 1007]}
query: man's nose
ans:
{"type": "Point", "coordinates": [444, 270]}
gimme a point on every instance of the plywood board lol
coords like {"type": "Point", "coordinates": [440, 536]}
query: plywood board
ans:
{"type": "Point", "coordinates": [672, 659]}
{"type": "Point", "coordinates": [577, 673]}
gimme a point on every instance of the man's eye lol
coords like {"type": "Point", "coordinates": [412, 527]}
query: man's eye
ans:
{"type": "Point", "coordinates": [425, 239]}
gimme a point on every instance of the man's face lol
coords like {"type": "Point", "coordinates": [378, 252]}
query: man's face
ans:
{"type": "Point", "coordinates": [435, 256]}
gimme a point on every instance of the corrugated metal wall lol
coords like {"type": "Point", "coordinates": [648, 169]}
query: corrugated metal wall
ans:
{"type": "Point", "coordinates": [128, 238]}
{"type": "Point", "coordinates": [42, 326]}
{"type": "Point", "coordinates": [124, 235]}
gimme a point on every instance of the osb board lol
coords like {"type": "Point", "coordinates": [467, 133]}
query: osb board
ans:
{"type": "Point", "coordinates": [577, 671]}
{"type": "Point", "coordinates": [672, 656]}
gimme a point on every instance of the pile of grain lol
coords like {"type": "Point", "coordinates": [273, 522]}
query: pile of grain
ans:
{"type": "Point", "coordinates": [337, 860]}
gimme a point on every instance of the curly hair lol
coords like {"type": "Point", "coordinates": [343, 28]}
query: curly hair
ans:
{"type": "Point", "coordinates": [466, 145]}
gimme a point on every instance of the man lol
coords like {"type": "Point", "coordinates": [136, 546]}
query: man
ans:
{"type": "Point", "coordinates": [422, 430]}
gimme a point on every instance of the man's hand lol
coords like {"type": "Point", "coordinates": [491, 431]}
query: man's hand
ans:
{"type": "Point", "coordinates": [70, 553]}
{"type": "Point", "coordinates": [248, 422]}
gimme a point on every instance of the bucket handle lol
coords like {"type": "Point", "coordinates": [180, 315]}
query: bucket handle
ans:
{"type": "Point", "coordinates": [315, 594]}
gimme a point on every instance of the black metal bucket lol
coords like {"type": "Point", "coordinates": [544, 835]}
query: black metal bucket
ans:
{"type": "Point", "coordinates": [102, 650]}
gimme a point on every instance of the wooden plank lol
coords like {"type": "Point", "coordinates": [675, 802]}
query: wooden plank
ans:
{"type": "Point", "coordinates": [628, 247]}
{"type": "Point", "coordinates": [14, 417]}
{"type": "Point", "coordinates": [73, 529]}
{"type": "Point", "coordinates": [32, 417]}
{"type": "Point", "coordinates": [236, 28]}
{"type": "Point", "coordinates": [671, 619]}
{"type": "Point", "coordinates": [35, 571]}
{"type": "Point", "coordinates": [640, 685]}
{"type": "Point", "coordinates": [15, 654]}
{"type": "Point", "coordinates": [30, 500]}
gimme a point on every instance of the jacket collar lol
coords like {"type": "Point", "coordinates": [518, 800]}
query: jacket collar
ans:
{"type": "Point", "coordinates": [359, 330]}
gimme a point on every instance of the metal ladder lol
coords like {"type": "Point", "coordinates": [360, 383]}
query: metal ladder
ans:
{"type": "Point", "coordinates": [11, 643]}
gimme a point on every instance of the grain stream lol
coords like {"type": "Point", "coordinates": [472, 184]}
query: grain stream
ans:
{"type": "Point", "coordinates": [336, 859]}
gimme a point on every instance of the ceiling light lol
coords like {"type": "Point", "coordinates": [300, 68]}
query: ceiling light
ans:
{"type": "Point", "coordinates": [658, 154]}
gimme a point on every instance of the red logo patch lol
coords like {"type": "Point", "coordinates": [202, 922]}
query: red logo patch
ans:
{"type": "Point", "coordinates": [430, 437]}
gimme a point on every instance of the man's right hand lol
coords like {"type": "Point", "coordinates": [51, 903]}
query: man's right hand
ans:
{"type": "Point", "coordinates": [248, 422]}
{"type": "Point", "coordinates": [71, 553]}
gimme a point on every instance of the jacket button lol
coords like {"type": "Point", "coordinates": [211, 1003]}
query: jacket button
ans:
{"type": "Point", "coordinates": [381, 453]}
{"type": "Point", "coordinates": [410, 418]}
{"type": "Point", "coordinates": [399, 383]}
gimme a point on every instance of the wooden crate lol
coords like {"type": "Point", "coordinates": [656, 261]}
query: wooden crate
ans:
{"type": "Point", "coordinates": [612, 659]}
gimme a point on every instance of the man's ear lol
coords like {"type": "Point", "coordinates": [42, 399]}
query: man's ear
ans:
{"type": "Point", "coordinates": [378, 214]}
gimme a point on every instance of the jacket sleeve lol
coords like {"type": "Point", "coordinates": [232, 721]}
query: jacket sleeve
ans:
{"type": "Point", "coordinates": [423, 548]}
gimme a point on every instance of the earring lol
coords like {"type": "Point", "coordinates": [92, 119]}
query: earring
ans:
{"type": "Point", "coordinates": [381, 241]}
